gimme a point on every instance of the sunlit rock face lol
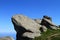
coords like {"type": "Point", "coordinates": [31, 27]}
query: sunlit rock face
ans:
{"type": "Point", "coordinates": [25, 27]}
{"type": "Point", "coordinates": [6, 38]}
{"type": "Point", "coordinates": [47, 21]}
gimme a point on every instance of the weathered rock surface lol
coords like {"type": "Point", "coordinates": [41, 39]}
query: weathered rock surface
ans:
{"type": "Point", "coordinates": [26, 26]}
{"type": "Point", "coordinates": [6, 38]}
{"type": "Point", "coordinates": [47, 21]}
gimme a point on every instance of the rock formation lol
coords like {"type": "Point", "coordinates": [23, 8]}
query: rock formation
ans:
{"type": "Point", "coordinates": [47, 22]}
{"type": "Point", "coordinates": [25, 27]}
{"type": "Point", "coordinates": [28, 28]}
{"type": "Point", "coordinates": [6, 38]}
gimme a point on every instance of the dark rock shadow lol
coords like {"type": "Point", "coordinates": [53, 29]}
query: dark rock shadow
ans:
{"type": "Point", "coordinates": [19, 32]}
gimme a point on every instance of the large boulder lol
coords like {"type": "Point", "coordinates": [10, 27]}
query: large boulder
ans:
{"type": "Point", "coordinates": [25, 27]}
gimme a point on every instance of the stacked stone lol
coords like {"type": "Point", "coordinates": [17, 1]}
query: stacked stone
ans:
{"type": "Point", "coordinates": [28, 29]}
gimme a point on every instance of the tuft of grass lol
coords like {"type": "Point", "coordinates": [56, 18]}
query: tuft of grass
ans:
{"type": "Point", "coordinates": [49, 35]}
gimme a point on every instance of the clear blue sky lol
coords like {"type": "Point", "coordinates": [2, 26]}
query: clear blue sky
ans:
{"type": "Point", "coordinates": [30, 8]}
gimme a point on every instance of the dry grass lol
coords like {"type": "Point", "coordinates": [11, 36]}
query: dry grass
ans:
{"type": "Point", "coordinates": [49, 35]}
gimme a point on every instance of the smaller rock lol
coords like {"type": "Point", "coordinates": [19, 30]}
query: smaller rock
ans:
{"type": "Point", "coordinates": [6, 38]}
{"type": "Point", "coordinates": [44, 28]}
{"type": "Point", "coordinates": [52, 25]}
{"type": "Point", "coordinates": [47, 21]}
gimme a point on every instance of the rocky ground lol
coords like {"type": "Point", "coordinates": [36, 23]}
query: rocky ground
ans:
{"type": "Point", "coordinates": [6, 38]}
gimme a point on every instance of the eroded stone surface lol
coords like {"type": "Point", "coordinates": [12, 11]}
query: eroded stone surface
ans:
{"type": "Point", "coordinates": [25, 25]}
{"type": "Point", "coordinates": [28, 28]}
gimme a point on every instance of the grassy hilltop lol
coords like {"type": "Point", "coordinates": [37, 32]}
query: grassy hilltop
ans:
{"type": "Point", "coordinates": [49, 35]}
